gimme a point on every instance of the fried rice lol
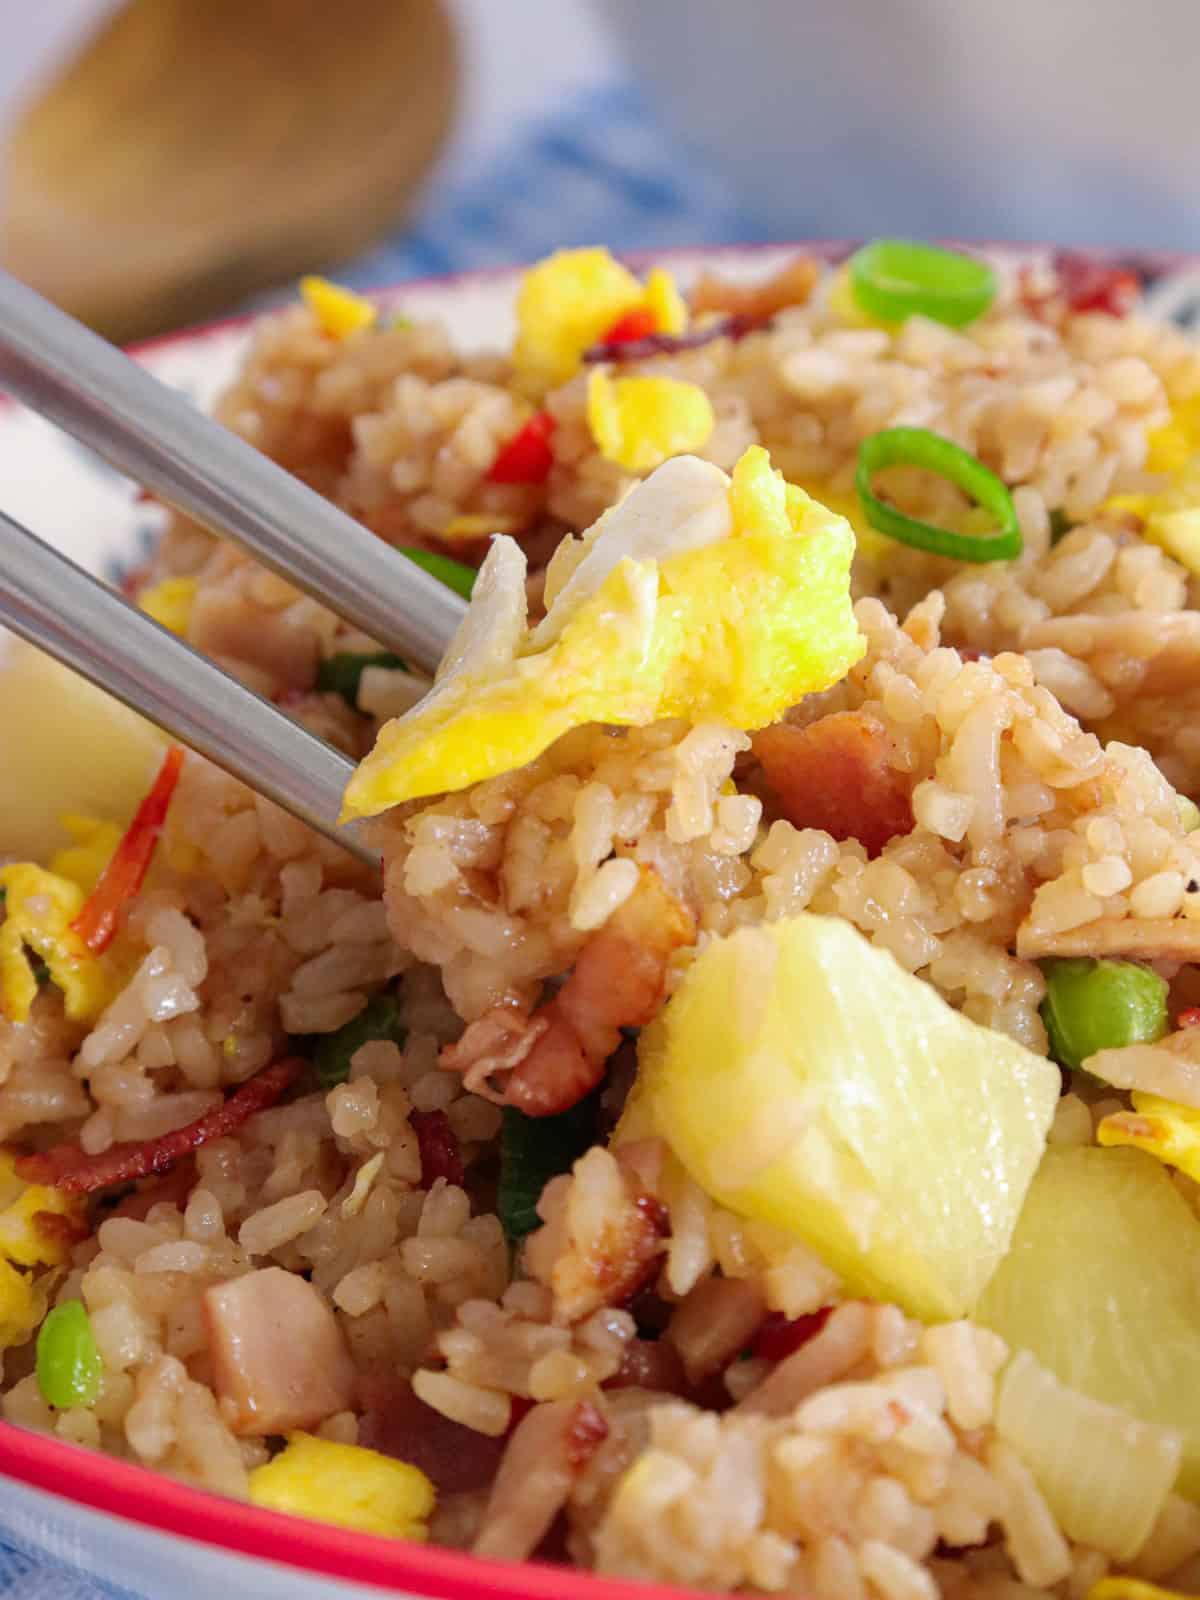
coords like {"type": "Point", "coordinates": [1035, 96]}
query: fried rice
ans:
{"type": "Point", "coordinates": [640, 1378]}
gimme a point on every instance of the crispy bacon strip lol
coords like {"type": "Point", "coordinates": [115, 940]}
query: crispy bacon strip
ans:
{"type": "Point", "coordinates": [792, 285]}
{"type": "Point", "coordinates": [617, 982]}
{"type": "Point", "coordinates": [59, 1228]}
{"type": "Point", "coordinates": [440, 1155]}
{"type": "Point", "coordinates": [69, 1168]}
{"type": "Point", "coordinates": [836, 775]}
{"type": "Point", "coordinates": [121, 879]}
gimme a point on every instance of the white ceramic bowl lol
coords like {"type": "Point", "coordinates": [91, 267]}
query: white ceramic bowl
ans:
{"type": "Point", "coordinates": [125, 1524]}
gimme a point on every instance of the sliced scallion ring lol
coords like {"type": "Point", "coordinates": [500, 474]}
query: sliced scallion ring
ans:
{"type": "Point", "coordinates": [454, 574]}
{"type": "Point", "coordinates": [897, 278]}
{"type": "Point", "coordinates": [919, 447]}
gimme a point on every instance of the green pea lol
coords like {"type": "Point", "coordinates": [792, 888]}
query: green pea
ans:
{"type": "Point", "coordinates": [380, 1019]}
{"type": "Point", "coordinates": [1100, 1005]}
{"type": "Point", "coordinates": [69, 1367]}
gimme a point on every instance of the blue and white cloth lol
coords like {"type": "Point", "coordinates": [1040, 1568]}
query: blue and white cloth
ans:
{"type": "Point", "coordinates": [599, 170]}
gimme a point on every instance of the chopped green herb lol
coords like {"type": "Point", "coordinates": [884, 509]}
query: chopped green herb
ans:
{"type": "Point", "coordinates": [1060, 525]}
{"type": "Point", "coordinates": [342, 673]}
{"type": "Point", "coordinates": [69, 1368]}
{"type": "Point", "coordinates": [532, 1151]}
{"type": "Point", "coordinates": [454, 574]}
{"type": "Point", "coordinates": [379, 1019]}
{"type": "Point", "coordinates": [1095, 1005]}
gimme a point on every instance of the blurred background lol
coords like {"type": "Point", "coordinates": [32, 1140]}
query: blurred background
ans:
{"type": "Point", "coordinates": [163, 161]}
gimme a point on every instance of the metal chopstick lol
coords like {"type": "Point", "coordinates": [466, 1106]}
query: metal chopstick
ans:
{"type": "Point", "coordinates": [76, 379]}
{"type": "Point", "coordinates": [54, 604]}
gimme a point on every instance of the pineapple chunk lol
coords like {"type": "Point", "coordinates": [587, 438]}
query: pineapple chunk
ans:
{"type": "Point", "coordinates": [1102, 1284]}
{"type": "Point", "coordinates": [804, 1079]}
{"type": "Point", "coordinates": [67, 747]}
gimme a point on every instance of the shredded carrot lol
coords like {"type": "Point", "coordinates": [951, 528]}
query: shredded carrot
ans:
{"type": "Point", "coordinates": [121, 879]}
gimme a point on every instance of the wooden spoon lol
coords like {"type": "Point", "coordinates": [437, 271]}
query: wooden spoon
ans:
{"type": "Point", "coordinates": [195, 153]}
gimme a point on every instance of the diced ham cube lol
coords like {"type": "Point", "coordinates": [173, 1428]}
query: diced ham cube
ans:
{"type": "Point", "coordinates": [279, 1359]}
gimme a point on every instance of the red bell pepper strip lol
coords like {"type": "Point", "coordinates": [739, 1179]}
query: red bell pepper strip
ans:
{"type": "Point", "coordinates": [527, 457]}
{"type": "Point", "coordinates": [636, 324]}
{"type": "Point", "coordinates": [1089, 285]}
{"type": "Point", "coordinates": [121, 879]}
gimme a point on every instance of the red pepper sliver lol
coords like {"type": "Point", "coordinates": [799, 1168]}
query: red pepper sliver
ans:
{"type": "Point", "coordinates": [68, 1166]}
{"type": "Point", "coordinates": [527, 457]}
{"type": "Point", "coordinates": [1089, 285]}
{"type": "Point", "coordinates": [1188, 1018]}
{"type": "Point", "coordinates": [636, 324]}
{"type": "Point", "coordinates": [121, 879]}
{"type": "Point", "coordinates": [780, 1336]}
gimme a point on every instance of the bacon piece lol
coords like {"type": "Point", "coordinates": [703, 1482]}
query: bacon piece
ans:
{"type": "Point", "coordinates": [650, 1364]}
{"type": "Point", "coordinates": [456, 1459]}
{"type": "Point", "coordinates": [69, 1168]}
{"type": "Point", "coordinates": [792, 285]}
{"type": "Point", "coordinates": [121, 879]}
{"type": "Point", "coordinates": [836, 774]}
{"type": "Point", "coordinates": [669, 344]}
{"type": "Point", "coordinates": [617, 982]}
{"type": "Point", "coordinates": [440, 1156]}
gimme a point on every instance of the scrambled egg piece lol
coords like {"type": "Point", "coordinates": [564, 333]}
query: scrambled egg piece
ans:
{"type": "Point", "coordinates": [570, 300]}
{"type": "Point", "coordinates": [1171, 515]}
{"type": "Point", "coordinates": [21, 1306]}
{"type": "Point", "coordinates": [92, 850]}
{"type": "Point", "coordinates": [39, 909]}
{"type": "Point", "coordinates": [348, 1484]}
{"type": "Point", "coordinates": [22, 1242]}
{"type": "Point", "coordinates": [1125, 1588]}
{"type": "Point", "coordinates": [170, 602]}
{"type": "Point", "coordinates": [339, 312]}
{"type": "Point", "coordinates": [640, 422]}
{"type": "Point", "coordinates": [694, 597]}
{"type": "Point", "coordinates": [1164, 1129]}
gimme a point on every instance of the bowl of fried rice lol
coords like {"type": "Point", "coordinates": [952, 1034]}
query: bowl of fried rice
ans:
{"type": "Point", "coordinates": [748, 1137]}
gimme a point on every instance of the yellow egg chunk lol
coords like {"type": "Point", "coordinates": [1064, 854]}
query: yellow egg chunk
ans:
{"type": "Point", "coordinates": [665, 303]}
{"type": "Point", "coordinates": [1119, 1588]}
{"type": "Point", "coordinates": [569, 301]}
{"type": "Point", "coordinates": [39, 908]}
{"type": "Point", "coordinates": [21, 1240]}
{"type": "Point", "coordinates": [805, 1080]}
{"type": "Point", "coordinates": [674, 610]}
{"type": "Point", "coordinates": [86, 858]}
{"type": "Point", "coordinates": [347, 1484]}
{"type": "Point", "coordinates": [639, 422]}
{"type": "Point", "coordinates": [67, 748]}
{"type": "Point", "coordinates": [170, 602]}
{"type": "Point", "coordinates": [1167, 1131]}
{"type": "Point", "coordinates": [21, 1307]}
{"type": "Point", "coordinates": [1102, 1285]}
{"type": "Point", "coordinates": [1171, 517]}
{"type": "Point", "coordinates": [339, 312]}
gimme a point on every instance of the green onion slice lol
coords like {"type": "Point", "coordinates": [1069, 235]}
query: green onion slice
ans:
{"type": "Point", "coordinates": [918, 447]}
{"type": "Point", "coordinates": [532, 1151]}
{"type": "Point", "coordinates": [897, 278]}
{"type": "Point", "coordinates": [452, 573]}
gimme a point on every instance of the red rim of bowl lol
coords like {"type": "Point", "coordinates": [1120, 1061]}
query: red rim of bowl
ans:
{"type": "Point", "coordinates": [143, 1497]}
